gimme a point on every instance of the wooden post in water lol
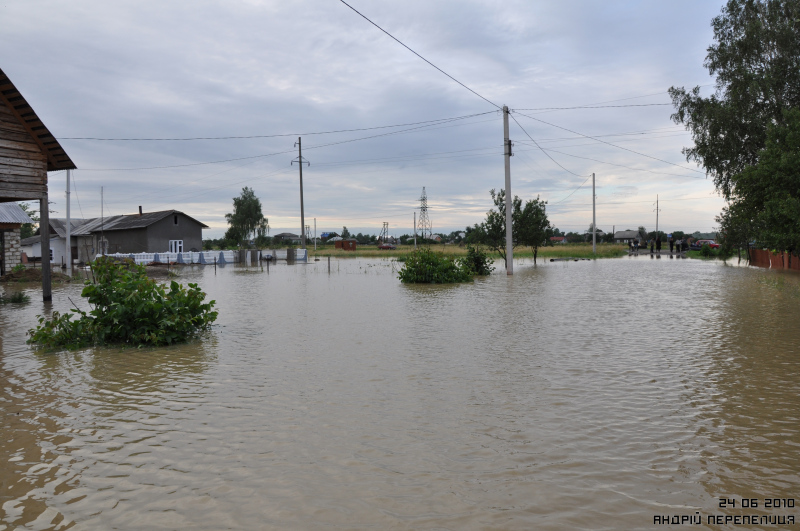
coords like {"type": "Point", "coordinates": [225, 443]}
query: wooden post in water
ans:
{"type": "Point", "coordinates": [44, 230]}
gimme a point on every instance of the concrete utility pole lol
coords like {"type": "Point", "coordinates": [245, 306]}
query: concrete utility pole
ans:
{"type": "Point", "coordinates": [315, 235]}
{"type": "Point", "coordinates": [594, 220]}
{"type": "Point", "coordinates": [300, 162]}
{"type": "Point", "coordinates": [415, 230]}
{"type": "Point", "coordinates": [44, 230]}
{"type": "Point", "coordinates": [657, 215]}
{"type": "Point", "coordinates": [69, 223]}
{"type": "Point", "coordinates": [509, 197]}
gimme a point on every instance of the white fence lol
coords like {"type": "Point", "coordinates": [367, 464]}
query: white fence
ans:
{"type": "Point", "coordinates": [208, 257]}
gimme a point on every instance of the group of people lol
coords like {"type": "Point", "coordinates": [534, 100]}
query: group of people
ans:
{"type": "Point", "coordinates": [681, 245]}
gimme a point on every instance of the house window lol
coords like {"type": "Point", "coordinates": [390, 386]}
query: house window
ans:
{"type": "Point", "coordinates": [176, 246]}
{"type": "Point", "coordinates": [175, 219]}
{"type": "Point", "coordinates": [51, 255]}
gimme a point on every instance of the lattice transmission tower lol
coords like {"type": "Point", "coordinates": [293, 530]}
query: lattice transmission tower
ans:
{"type": "Point", "coordinates": [424, 223]}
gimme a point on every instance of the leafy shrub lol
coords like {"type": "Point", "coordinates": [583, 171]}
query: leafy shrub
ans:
{"type": "Point", "coordinates": [706, 251]}
{"type": "Point", "coordinates": [129, 308]}
{"type": "Point", "coordinates": [478, 261]}
{"type": "Point", "coordinates": [427, 267]}
{"type": "Point", "coordinates": [17, 268]}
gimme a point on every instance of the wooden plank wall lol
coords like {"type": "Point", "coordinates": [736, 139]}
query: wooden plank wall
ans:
{"type": "Point", "coordinates": [23, 166]}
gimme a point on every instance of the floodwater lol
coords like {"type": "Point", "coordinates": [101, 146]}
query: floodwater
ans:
{"type": "Point", "coordinates": [573, 395]}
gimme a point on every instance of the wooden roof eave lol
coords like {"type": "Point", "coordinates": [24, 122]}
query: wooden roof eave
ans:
{"type": "Point", "coordinates": [57, 158]}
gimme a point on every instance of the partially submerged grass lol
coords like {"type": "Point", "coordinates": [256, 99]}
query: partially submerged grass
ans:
{"type": "Point", "coordinates": [17, 297]}
{"type": "Point", "coordinates": [571, 250]}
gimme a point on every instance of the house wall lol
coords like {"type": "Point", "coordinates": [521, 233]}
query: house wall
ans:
{"type": "Point", "coordinates": [123, 241]}
{"type": "Point", "coordinates": [23, 166]}
{"type": "Point", "coordinates": [160, 233]}
{"type": "Point", "coordinates": [56, 244]}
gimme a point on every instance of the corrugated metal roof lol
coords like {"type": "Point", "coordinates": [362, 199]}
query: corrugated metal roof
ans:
{"type": "Point", "coordinates": [59, 225]}
{"type": "Point", "coordinates": [135, 221]}
{"type": "Point", "coordinates": [13, 213]}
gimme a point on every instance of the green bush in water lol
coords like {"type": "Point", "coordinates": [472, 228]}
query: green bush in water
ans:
{"type": "Point", "coordinates": [130, 309]}
{"type": "Point", "coordinates": [478, 261]}
{"type": "Point", "coordinates": [427, 267]}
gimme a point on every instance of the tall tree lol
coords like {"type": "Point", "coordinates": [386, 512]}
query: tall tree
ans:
{"type": "Point", "coordinates": [756, 61]}
{"type": "Point", "coordinates": [246, 220]}
{"type": "Point", "coordinates": [765, 203]}
{"type": "Point", "coordinates": [532, 227]}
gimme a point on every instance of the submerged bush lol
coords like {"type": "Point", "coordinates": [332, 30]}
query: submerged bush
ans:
{"type": "Point", "coordinates": [15, 298]}
{"type": "Point", "coordinates": [129, 308]}
{"type": "Point", "coordinates": [478, 261]}
{"type": "Point", "coordinates": [426, 267]}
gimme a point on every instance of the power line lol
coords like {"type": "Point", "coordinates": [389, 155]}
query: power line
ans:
{"type": "Point", "coordinates": [429, 125]}
{"type": "Point", "coordinates": [610, 144]}
{"type": "Point", "coordinates": [620, 165]}
{"type": "Point", "coordinates": [268, 136]}
{"type": "Point", "coordinates": [418, 55]}
{"type": "Point", "coordinates": [543, 151]}
{"type": "Point", "coordinates": [572, 192]}
{"type": "Point", "coordinates": [592, 107]}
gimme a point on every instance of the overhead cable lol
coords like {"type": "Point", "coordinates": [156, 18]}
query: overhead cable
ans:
{"type": "Point", "coordinates": [271, 136]}
{"type": "Point", "coordinates": [610, 144]}
{"type": "Point", "coordinates": [592, 107]}
{"type": "Point", "coordinates": [418, 55]}
{"type": "Point", "coordinates": [543, 151]}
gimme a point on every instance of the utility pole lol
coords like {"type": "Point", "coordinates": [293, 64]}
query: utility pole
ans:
{"type": "Point", "coordinates": [300, 162]}
{"type": "Point", "coordinates": [69, 223]}
{"type": "Point", "coordinates": [509, 197]}
{"type": "Point", "coordinates": [315, 235]}
{"type": "Point", "coordinates": [594, 220]}
{"type": "Point", "coordinates": [657, 210]}
{"type": "Point", "coordinates": [102, 224]}
{"type": "Point", "coordinates": [415, 230]}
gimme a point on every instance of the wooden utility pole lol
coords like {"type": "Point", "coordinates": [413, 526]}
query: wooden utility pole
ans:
{"type": "Point", "coordinates": [44, 231]}
{"type": "Point", "coordinates": [509, 200]}
{"type": "Point", "coordinates": [69, 226]}
{"type": "Point", "coordinates": [594, 220]}
{"type": "Point", "coordinates": [300, 162]}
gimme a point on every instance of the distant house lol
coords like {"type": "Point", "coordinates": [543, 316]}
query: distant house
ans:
{"type": "Point", "coordinates": [11, 219]}
{"type": "Point", "coordinates": [148, 232]}
{"type": "Point", "coordinates": [286, 237]}
{"type": "Point", "coordinates": [626, 236]}
{"type": "Point", "coordinates": [346, 245]}
{"type": "Point", "coordinates": [326, 235]}
{"type": "Point", "coordinates": [558, 239]}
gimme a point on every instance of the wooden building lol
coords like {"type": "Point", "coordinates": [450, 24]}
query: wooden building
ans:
{"type": "Point", "coordinates": [27, 152]}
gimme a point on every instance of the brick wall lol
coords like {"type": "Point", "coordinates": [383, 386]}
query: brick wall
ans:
{"type": "Point", "coordinates": [13, 250]}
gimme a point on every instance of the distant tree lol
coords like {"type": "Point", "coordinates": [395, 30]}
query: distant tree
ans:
{"type": "Point", "coordinates": [246, 220]}
{"type": "Point", "coordinates": [492, 232]}
{"type": "Point", "coordinates": [532, 226]}
{"type": "Point", "coordinates": [29, 229]}
{"type": "Point", "coordinates": [345, 233]}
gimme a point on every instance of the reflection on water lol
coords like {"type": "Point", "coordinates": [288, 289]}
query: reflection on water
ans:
{"type": "Point", "coordinates": [573, 395]}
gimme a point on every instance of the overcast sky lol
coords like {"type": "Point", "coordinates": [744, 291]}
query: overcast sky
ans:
{"type": "Point", "coordinates": [146, 69]}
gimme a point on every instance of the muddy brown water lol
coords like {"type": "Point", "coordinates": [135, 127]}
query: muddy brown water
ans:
{"type": "Point", "coordinates": [573, 395]}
